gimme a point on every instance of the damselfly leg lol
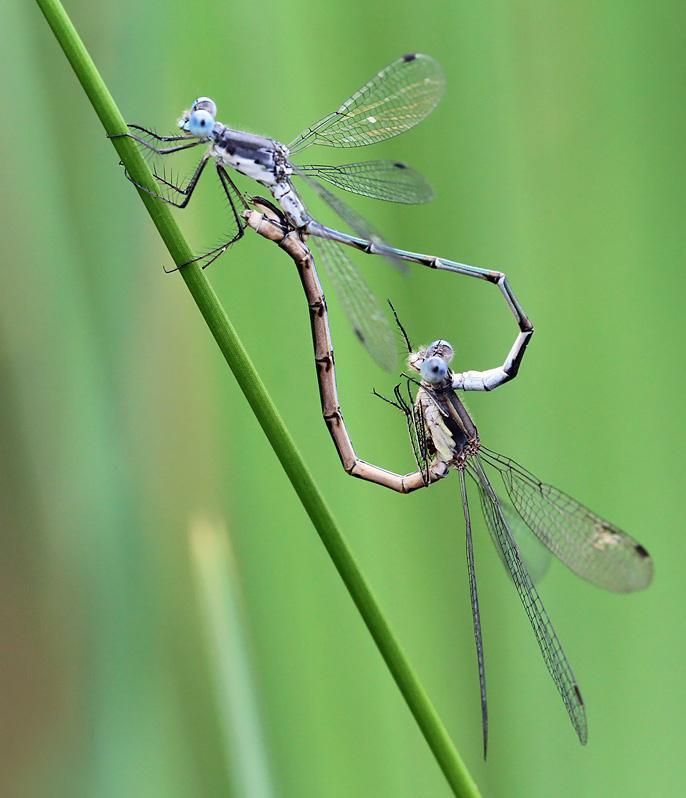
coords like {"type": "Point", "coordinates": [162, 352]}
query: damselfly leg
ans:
{"type": "Point", "coordinates": [151, 134]}
{"type": "Point", "coordinates": [237, 206]}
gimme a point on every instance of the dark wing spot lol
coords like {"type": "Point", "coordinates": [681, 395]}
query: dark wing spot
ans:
{"type": "Point", "coordinates": [641, 551]}
{"type": "Point", "coordinates": [578, 694]}
{"type": "Point", "coordinates": [409, 57]}
{"type": "Point", "coordinates": [358, 333]}
{"type": "Point", "coordinates": [399, 165]}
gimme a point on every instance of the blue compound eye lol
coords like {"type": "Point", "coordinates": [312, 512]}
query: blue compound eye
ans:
{"type": "Point", "coordinates": [434, 370]}
{"type": "Point", "coordinates": [200, 123]}
{"type": "Point", "coordinates": [205, 104]}
{"type": "Point", "coordinates": [442, 348]}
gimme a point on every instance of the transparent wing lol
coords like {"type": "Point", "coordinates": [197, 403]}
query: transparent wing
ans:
{"type": "Point", "coordinates": [369, 321]}
{"type": "Point", "coordinates": [392, 181]}
{"type": "Point", "coordinates": [593, 548]}
{"type": "Point", "coordinates": [553, 654]}
{"type": "Point", "coordinates": [476, 615]}
{"type": "Point", "coordinates": [393, 101]}
{"type": "Point", "coordinates": [352, 218]}
{"type": "Point", "coordinates": [535, 555]}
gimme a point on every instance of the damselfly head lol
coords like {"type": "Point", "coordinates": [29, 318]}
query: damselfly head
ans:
{"type": "Point", "coordinates": [432, 362]}
{"type": "Point", "coordinates": [434, 370]}
{"type": "Point", "coordinates": [199, 120]}
{"type": "Point", "coordinates": [441, 349]}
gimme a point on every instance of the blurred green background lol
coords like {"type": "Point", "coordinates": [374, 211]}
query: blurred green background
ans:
{"type": "Point", "coordinates": [144, 654]}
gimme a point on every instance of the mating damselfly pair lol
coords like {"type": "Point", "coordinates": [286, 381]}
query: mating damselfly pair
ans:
{"type": "Point", "coordinates": [442, 433]}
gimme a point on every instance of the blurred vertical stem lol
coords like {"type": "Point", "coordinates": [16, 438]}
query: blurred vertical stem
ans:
{"type": "Point", "coordinates": [220, 605]}
{"type": "Point", "coordinates": [262, 406]}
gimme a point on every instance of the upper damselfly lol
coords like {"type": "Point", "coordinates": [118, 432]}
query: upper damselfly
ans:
{"type": "Point", "coordinates": [395, 100]}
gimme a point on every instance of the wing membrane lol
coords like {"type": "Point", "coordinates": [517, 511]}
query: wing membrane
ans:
{"type": "Point", "coordinates": [352, 218]}
{"type": "Point", "coordinates": [393, 101]}
{"type": "Point", "coordinates": [551, 649]}
{"type": "Point", "coordinates": [476, 614]}
{"type": "Point", "coordinates": [369, 322]}
{"type": "Point", "coordinates": [535, 555]}
{"type": "Point", "coordinates": [392, 181]}
{"type": "Point", "coordinates": [593, 548]}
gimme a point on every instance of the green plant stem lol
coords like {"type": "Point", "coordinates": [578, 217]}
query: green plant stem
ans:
{"type": "Point", "coordinates": [262, 406]}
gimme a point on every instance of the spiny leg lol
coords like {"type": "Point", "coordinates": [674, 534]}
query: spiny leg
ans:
{"type": "Point", "coordinates": [156, 136]}
{"type": "Point", "coordinates": [159, 150]}
{"type": "Point", "coordinates": [416, 429]}
{"type": "Point", "coordinates": [396, 405]}
{"type": "Point", "coordinates": [149, 152]}
{"type": "Point", "coordinates": [476, 615]}
{"type": "Point", "coordinates": [188, 189]}
{"type": "Point", "coordinates": [420, 440]}
{"type": "Point", "coordinates": [185, 191]}
{"type": "Point", "coordinates": [230, 189]}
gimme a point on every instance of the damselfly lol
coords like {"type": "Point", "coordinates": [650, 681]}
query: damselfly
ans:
{"type": "Point", "coordinates": [395, 100]}
{"type": "Point", "coordinates": [444, 438]}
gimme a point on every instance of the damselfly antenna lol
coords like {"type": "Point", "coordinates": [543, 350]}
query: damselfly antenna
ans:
{"type": "Point", "coordinates": [400, 326]}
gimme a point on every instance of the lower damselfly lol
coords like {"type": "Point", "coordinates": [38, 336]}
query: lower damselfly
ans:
{"type": "Point", "coordinates": [444, 438]}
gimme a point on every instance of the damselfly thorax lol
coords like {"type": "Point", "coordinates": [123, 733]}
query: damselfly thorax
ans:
{"type": "Point", "coordinates": [449, 431]}
{"type": "Point", "coordinates": [451, 435]}
{"type": "Point", "coordinates": [264, 160]}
